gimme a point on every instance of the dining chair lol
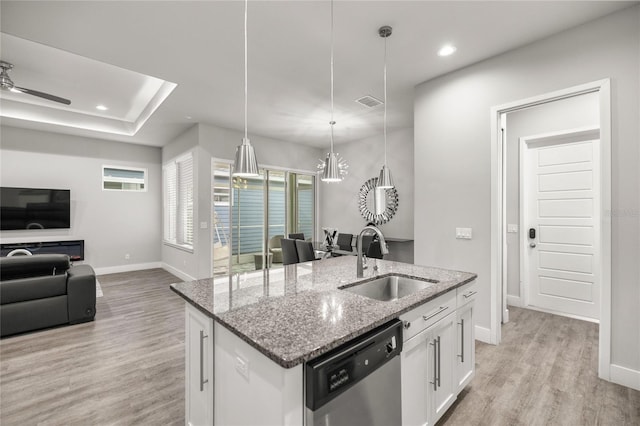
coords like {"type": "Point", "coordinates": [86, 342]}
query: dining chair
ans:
{"type": "Point", "coordinates": [344, 241]}
{"type": "Point", "coordinates": [305, 251]}
{"type": "Point", "coordinates": [375, 250]}
{"type": "Point", "coordinates": [299, 236]}
{"type": "Point", "coordinates": [289, 251]}
{"type": "Point", "coordinates": [276, 248]}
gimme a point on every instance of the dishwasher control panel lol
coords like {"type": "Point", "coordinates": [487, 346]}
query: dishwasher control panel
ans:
{"type": "Point", "coordinates": [331, 374]}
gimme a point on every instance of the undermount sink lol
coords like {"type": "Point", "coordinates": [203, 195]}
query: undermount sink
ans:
{"type": "Point", "coordinates": [388, 288]}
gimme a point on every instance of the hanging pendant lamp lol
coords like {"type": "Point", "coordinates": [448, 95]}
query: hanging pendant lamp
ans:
{"type": "Point", "coordinates": [246, 164]}
{"type": "Point", "coordinates": [334, 168]}
{"type": "Point", "coordinates": [385, 181]}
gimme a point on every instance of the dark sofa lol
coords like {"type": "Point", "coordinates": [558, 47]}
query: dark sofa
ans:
{"type": "Point", "coordinates": [44, 290]}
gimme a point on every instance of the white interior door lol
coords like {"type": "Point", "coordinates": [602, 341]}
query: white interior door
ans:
{"type": "Point", "coordinates": [560, 190]}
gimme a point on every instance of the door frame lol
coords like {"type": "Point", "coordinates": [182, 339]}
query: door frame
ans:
{"type": "Point", "coordinates": [569, 136]}
{"type": "Point", "coordinates": [498, 224]}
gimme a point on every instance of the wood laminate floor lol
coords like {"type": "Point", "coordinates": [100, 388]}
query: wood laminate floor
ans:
{"type": "Point", "coordinates": [127, 368]}
{"type": "Point", "coordinates": [545, 372]}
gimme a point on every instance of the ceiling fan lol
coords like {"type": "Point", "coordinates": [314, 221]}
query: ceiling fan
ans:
{"type": "Point", "coordinates": [7, 84]}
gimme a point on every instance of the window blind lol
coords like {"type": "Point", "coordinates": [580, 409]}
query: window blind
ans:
{"type": "Point", "coordinates": [178, 201]}
{"type": "Point", "coordinates": [185, 200]}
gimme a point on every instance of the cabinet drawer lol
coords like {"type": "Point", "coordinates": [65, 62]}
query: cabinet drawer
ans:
{"type": "Point", "coordinates": [467, 293]}
{"type": "Point", "coordinates": [428, 314]}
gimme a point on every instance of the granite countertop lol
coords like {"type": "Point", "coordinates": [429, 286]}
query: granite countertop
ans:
{"type": "Point", "coordinates": [296, 313]}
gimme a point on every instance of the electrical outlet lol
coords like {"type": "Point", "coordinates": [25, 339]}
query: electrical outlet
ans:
{"type": "Point", "coordinates": [242, 366]}
{"type": "Point", "coordinates": [512, 228]}
{"type": "Point", "coordinates": [464, 233]}
{"type": "Point", "coordinates": [204, 225]}
{"type": "Point", "coordinates": [127, 256]}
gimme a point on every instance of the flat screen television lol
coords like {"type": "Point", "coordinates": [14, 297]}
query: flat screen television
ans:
{"type": "Point", "coordinates": [34, 208]}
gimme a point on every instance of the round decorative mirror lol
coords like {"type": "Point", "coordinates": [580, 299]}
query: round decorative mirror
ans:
{"type": "Point", "coordinates": [377, 205]}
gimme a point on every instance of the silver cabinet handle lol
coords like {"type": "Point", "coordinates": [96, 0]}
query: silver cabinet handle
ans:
{"type": "Point", "coordinates": [468, 295]}
{"type": "Point", "coordinates": [461, 356]}
{"type": "Point", "coordinates": [435, 365]}
{"type": "Point", "coordinates": [438, 341]}
{"type": "Point", "coordinates": [202, 379]}
{"type": "Point", "coordinates": [442, 309]}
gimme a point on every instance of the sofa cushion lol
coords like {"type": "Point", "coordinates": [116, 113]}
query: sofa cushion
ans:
{"type": "Point", "coordinates": [32, 315]}
{"type": "Point", "coordinates": [16, 267]}
{"type": "Point", "coordinates": [32, 288]}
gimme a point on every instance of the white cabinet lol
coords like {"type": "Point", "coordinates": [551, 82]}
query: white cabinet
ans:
{"type": "Point", "coordinates": [433, 373]}
{"type": "Point", "coordinates": [199, 368]}
{"type": "Point", "coordinates": [465, 340]}
{"type": "Point", "coordinates": [428, 379]}
{"type": "Point", "coordinates": [414, 373]}
{"type": "Point", "coordinates": [466, 354]}
{"type": "Point", "coordinates": [441, 367]}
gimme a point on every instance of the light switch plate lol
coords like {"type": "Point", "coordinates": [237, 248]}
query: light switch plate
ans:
{"type": "Point", "coordinates": [512, 228]}
{"type": "Point", "coordinates": [464, 233]}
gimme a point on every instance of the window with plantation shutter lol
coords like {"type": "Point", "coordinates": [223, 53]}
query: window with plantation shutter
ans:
{"type": "Point", "coordinates": [178, 201]}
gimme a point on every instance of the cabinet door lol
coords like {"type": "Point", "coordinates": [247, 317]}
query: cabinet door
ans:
{"type": "Point", "coordinates": [441, 366]}
{"type": "Point", "coordinates": [465, 344]}
{"type": "Point", "coordinates": [199, 368]}
{"type": "Point", "coordinates": [415, 404]}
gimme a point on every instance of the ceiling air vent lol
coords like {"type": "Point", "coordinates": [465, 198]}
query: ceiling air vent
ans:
{"type": "Point", "coordinates": [369, 101]}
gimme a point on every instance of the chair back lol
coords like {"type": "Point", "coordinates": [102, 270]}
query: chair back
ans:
{"type": "Point", "coordinates": [366, 242]}
{"type": "Point", "coordinates": [274, 242]}
{"type": "Point", "coordinates": [305, 251]}
{"type": "Point", "coordinates": [374, 251]}
{"type": "Point", "coordinates": [299, 236]}
{"type": "Point", "coordinates": [344, 241]}
{"type": "Point", "coordinates": [289, 251]}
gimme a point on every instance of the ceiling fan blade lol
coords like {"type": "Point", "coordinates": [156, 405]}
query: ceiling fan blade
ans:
{"type": "Point", "coordinates": [44, 95]}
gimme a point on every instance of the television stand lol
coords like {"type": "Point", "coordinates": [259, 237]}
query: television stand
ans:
{"type": "Point", "coordinates": [73, 248]}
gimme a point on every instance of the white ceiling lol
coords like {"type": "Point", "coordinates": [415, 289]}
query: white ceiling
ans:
{"type": "Point", "coordinates": [199, 46]}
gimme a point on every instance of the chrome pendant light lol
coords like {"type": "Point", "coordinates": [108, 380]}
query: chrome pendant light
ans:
{"type": "Point", "coordinates": [246, 164]}
{"type": "Point", "coordinates": [385, 181]}
{"type": "Point", "coordinates": [334, 168]}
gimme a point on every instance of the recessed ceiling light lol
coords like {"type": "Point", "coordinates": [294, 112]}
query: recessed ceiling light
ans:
{"type": "Point", "coordinates": [188, 117]}
{"type": "Point", "coordinates": [101, 107]}
{"type": "Point", "coordinates": [447, 50]}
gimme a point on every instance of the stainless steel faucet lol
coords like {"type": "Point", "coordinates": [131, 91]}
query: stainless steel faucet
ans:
{"type": "Point", "coordinates": [362, 259]}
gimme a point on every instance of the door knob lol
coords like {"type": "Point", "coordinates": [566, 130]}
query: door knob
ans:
{"type": "Point", "coordinates": [532, 245]}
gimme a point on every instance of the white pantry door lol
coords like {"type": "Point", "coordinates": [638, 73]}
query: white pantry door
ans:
{"type": "Point", "coordinates": [560, 189]}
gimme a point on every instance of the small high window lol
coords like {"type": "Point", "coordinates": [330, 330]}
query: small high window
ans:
{"type": "Point", "coordinates": [117, 178]}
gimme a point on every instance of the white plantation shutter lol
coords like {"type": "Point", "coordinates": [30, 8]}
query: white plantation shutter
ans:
{"type": "Point", "coordinates": [170, 201]}
{"type": "Point", "coordinates": [178, 201]}
{"type": "Point", "coordinates": [185, 200]}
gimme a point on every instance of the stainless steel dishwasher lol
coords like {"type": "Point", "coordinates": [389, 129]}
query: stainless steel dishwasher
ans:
{"type": "Point", "coordinates": [357, 383]}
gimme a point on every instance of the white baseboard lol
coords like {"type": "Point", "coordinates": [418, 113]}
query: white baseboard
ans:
{"type": "Point", "coordinates": [177, 272]}
{"type": "Point", "coordinates": [483, 334]}
{"type": "Point", "coordinates": [625, 376]}
{"type": "Point", "coordinates": [127, 268]}
{"type": "Point", "coordinates": [514, 301]}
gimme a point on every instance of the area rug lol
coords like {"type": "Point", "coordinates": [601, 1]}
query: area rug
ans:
{"type": "Point", "coordinates": [98, 289]}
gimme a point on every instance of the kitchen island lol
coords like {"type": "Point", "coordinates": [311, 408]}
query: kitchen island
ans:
{"type": "Point", "coordinates": [254, 332]}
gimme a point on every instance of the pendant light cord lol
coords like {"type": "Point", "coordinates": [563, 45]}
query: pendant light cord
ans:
{"type": "Point", "coordinates": [385, 101]}
{"type": "Point", "coordinates": [245, 69]}
{"type": "Point", "coordinates": [332, 122]}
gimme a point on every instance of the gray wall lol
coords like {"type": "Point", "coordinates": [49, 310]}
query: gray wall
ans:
{"type": "Point", "coordinates": [365, 157]}
{"type": "Point", "coordinates": [207, 142]}
{"type": "Point", "coordinates": [572, 113]}
{"type": "Point", "coordinates": [453, 165]}
{"type": "Point", "coordinates": [112, 223]}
